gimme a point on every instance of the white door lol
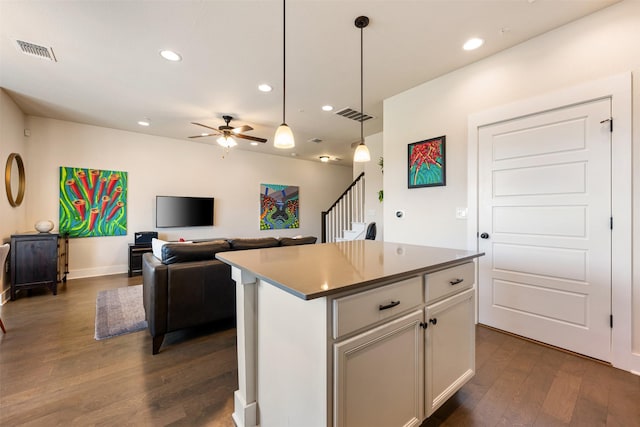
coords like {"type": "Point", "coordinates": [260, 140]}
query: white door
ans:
{"type": "Point", "coordinates": [544, 223]}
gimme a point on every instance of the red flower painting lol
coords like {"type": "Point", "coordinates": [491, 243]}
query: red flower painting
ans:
{"type": "Point", "coordinates": [427, 163]}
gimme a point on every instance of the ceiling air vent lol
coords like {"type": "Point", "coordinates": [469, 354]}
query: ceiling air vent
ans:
{"type": "Point", "coordinates": [352, 114]}
{"type": "Point", "coordinates": [36, 50]}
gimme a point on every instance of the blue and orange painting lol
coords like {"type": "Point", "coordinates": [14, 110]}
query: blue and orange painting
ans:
{"type": "Point", "coordinates": [93, 202]}
{"type": "Point", "coordinates": [279, 207]}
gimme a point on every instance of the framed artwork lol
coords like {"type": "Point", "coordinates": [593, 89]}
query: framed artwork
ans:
{"type": "Point", "coordinates": [279, 207]}
{"type": "Point", "coordinates": [426, 163]}
{"type": "Point", "coordinates": [93, 202]}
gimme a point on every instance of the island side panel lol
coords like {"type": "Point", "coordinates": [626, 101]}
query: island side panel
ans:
{"type": "Point", "coordinates": [245, 413]}
{"type": "Point", "coordinates": [292, 359]}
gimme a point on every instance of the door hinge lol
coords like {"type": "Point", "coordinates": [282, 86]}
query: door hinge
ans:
{"type": "Point", "coordinates": [610, 120]}
{"type": "Point", "coordinates": [611, 223]}
{"type": "Point", "coordinates": [611, 321]}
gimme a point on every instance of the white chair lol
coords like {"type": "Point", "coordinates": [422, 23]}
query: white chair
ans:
{"type": "Point", "coordinates": [4, 251]}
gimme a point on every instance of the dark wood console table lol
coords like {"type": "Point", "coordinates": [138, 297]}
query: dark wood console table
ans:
{"type": "Point", "coordinates": [135, 257]}
{"type": "Point", "coordinates": [34, 262]}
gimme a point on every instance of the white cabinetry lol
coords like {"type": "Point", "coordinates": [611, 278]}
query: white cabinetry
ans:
{"type": "Point", "coordinates": [400, 353]}
{"type": "Point", "coordinates": [450, 348]}
{"type": "Point", "coordinates": [379, 376]}
{"type": "Point", "coordinates": [450, 333]}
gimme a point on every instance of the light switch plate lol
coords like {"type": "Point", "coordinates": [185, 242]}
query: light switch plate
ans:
{"type": "Point", "coordinates": [461, 213]}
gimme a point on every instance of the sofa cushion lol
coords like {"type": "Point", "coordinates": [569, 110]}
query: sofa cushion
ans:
{"type": "Point", "coordinates": [292, 241]}
{"type": "Point", "coordinates": [181, 252]}
{"type": "Point", "coordinates": [265, 242]}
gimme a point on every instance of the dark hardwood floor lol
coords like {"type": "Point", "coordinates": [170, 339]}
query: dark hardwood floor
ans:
{"type": "Point", "coordinates": [53, 372]}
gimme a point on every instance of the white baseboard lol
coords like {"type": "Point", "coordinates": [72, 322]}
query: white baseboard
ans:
{"type": "Point", "coordinates": [99, 271]}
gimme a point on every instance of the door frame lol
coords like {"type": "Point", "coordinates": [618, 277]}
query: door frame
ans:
{"type": "Point", "coordinates": [618, 88]}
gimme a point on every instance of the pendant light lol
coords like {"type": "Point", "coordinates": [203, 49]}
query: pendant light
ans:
{"type": "Point", "coordinates": [284, 135]}
{"type": "Point", "coordinates": [362, 152]}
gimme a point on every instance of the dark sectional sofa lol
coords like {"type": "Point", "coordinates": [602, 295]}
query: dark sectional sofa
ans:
{"type": "Point", "coordinates": [189, 287]}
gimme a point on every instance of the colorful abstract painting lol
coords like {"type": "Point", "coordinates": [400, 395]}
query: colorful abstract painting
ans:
{"type": "Point", "coordinates": [427, 163]}
{"type": "Point", "coordinates": [279, 207]}
{"type": "Point", "coordinates": [93, 202]}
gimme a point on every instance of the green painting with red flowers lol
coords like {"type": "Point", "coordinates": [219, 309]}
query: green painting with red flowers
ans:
{"type": "Point", "coordinates": [93, 202]}
{"type": "Point", "coordinates": [427, 163]}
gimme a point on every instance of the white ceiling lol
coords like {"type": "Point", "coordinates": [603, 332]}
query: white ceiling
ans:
{"type": "Point", "coordinates": [109, 72]}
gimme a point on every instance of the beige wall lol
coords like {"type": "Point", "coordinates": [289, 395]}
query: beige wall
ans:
{"type": "Point", "coordinates": [12, 219]}
{"type": "Point", "coordinates": [162, 166]}
{"type": "Point", "coordinates": [595, 47]}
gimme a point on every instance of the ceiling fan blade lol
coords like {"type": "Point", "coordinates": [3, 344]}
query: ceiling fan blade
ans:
{"type": "Point", "coordinates": [205, 126]}
{"type": "Point", "coordinates": [240, 129]}
{"type": "Point", "coordinates": [251, 138]}
{"type": "Point", "coordinates": [203, 135]}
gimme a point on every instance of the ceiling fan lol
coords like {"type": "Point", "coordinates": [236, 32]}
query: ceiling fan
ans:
{"type": "Point", "coordinates": [226, 132]}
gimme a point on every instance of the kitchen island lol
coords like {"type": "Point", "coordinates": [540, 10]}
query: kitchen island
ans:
{"type": "Point", "coordinates": [358, 333]}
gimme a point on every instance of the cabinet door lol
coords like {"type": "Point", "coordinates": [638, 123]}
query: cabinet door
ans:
{"type": "Point", "coordinates": [379, 377]}
{"type": "Point", "coordinates": [35, 260]}
{"type": "Point", "coordinates": [450, 348]}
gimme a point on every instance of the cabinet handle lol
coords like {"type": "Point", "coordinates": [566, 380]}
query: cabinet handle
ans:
{"type": "Point", "coordinates": [390, 305]}
{"type": "Point", "coordinates": [456, 281]}
{"type": "Point", "coordinates": [433, 321]}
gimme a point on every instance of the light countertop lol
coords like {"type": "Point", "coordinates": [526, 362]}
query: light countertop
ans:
{"type": "Point", "coordinates": [313, 271]}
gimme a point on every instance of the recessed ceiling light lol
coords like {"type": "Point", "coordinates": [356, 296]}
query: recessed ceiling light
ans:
{"type": "Point", "coordinates": [144, 122]}
{"type": "Point", "coordinates": [327, 108]}
{"type": "Point", "coordinates": [473, 43]}
{"type": "Point", "coordinates": [265, 87]}
{"type": "Point", "coordinates": [170, 55]}
{"type": "Point", "coordinates": [324, 159]}
{"type": "Point", "coordinates": [254, 143]}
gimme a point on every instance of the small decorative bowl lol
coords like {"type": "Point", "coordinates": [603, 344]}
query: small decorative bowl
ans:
{"type": "Point", "coordinates": [44, 226]}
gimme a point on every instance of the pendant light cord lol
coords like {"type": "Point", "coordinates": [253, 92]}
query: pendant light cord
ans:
{"type": "Point", "coordinates": [284, 56]}
{"type": "Point", "coordinates": [361, 85]}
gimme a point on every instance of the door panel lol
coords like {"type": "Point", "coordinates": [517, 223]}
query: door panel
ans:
{"type": "Point", "coordinates": [545, 202]}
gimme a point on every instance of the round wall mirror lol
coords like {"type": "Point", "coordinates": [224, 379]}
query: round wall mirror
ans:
{"type": "Point", "coordinates": [14, 179]}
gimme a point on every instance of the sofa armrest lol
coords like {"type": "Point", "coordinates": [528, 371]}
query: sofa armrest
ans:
{"type": "Point", "coordinates": [155, 293]}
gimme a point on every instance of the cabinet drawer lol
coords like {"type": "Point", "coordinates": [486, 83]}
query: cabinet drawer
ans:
{"type": "Point", "coordinates": [448, 282]}
{"type": "Point", "coordinates": [356, 311]}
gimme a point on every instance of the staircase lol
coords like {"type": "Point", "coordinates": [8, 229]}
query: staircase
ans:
{"type": "Point", "coordinates": [344, 220]}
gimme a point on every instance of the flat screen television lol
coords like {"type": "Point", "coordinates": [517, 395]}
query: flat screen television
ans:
{"type": "Point", "coordinates": [173, 211]}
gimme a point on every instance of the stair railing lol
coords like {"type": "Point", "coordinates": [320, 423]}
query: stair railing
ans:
{"type": "Point", "coordinates": [347, 209]}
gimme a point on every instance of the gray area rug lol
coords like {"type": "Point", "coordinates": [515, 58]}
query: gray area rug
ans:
{"type": "Point", "coordinates": [119, 311]}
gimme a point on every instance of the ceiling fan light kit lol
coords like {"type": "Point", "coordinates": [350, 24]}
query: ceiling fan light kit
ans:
{"type": "Point", "coordinates": [227, 141]}
{"type": "Point", "coordinates": [362, 152]}
{"type": "Point", "coordinates": [284, 136]}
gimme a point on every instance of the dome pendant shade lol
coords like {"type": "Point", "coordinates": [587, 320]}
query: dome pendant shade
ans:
{"type": "Point", "coordinates": [284, 137]}
{"type": "Point", "coordinates": [362, 153]}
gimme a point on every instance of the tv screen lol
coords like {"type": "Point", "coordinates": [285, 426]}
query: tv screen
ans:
{"type": "Point", "coordinates": [174, 211]}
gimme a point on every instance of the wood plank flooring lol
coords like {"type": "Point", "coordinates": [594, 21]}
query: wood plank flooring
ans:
{"type": "Point", "coordinates": [53, 372]}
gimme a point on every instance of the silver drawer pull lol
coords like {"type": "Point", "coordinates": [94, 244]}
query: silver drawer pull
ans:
{"type": "Point", "coordinates": [390, 305]}
{"type": "Point", "coordinates": [456, 281]}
